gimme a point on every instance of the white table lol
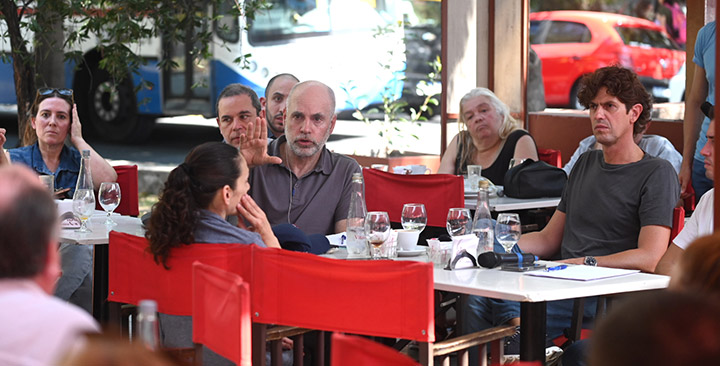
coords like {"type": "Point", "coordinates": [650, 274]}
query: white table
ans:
{"type": "Point", "coordinates": [501, 204]}
{"type": "Point", "coordinates": [99, 238]}
{"type": "Point", "coordinates": [532, 292]}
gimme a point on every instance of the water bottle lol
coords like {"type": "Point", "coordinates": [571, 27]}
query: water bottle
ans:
{"type": "Point", "coordinates": [84, 195]}
{"type": "Point", "coordinates": [147, 324]}
{"type": "Point", "coordinates": [356, 243]}
{"type": "Point", "coordinates": [482, 224]}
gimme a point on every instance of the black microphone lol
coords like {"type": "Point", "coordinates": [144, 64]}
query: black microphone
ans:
{"type": "Point", "coordinates": [492, 259]}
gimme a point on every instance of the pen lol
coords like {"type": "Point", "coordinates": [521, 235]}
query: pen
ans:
{"type": "Point", "coordinates": [556, 268]}
{"type": "Point", "coordinates": [342, 239]}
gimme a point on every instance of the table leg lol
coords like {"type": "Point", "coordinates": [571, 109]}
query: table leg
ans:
{"type": "Point", "coordinates": [100, 285]}
{"type": "Point", "coordinates": [532, 331]}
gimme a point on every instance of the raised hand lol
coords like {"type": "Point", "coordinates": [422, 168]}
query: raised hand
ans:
{"type": "Point", "coordinates": [75, 126]}
{"type": "Point", "coordinates": [253, 145]}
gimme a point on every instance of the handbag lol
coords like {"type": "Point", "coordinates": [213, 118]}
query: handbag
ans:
{"type": "Point", "coordinates": [534, 179]}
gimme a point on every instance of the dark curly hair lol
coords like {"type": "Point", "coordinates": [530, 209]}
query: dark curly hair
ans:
{"type": "Point", "coordinates": [622, 84]}
{"type": "Point", "coordinates": [190, 187]}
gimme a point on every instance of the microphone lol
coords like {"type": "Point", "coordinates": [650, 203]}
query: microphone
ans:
{"type": "Point", "coordinates": [492, 259]}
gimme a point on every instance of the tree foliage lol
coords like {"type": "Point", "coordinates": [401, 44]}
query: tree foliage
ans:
{"type": "Point", "coordinates": [115, 28]}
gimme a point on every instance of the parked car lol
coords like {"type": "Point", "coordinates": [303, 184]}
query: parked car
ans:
{"type": "Point", "coordinates": [574, 43]}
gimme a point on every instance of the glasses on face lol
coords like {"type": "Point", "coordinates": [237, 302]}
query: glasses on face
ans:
{"type": "Point", "coordinates": [61, 91]}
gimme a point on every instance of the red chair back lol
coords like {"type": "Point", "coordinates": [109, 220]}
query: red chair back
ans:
{"type": "Point", "coordinates": [551, 156]}
{"type": "Point", "coordinates": [381, 298]}
{"type": "Point", "coordinates": [359, 351]}
{"type": "Point", "coordinates": [389, 192]}
{"type": "Point", "coordinates": [678, 222]}
{"type": "Point", "coordinates": [133, 274]}
{"type": "Point", "coordinates": [128, 179]}
{"type": "Point", "coordinates": [221, 313]}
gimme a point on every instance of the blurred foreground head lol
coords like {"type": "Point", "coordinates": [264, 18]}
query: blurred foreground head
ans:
{"type": "Point", "coordinates": [699, 267]}
{"type": "Point", "coordinates": [105, 350]}
{"type": "Point", "coordinates": [28, 223]}
{"type": "Point", "coordinates": [665, 328]}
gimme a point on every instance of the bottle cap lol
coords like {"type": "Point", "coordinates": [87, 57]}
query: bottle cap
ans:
{"type": "Point", "coordinates": [484, 183]}
{"type": "Point", "coordinates": [147, 306]}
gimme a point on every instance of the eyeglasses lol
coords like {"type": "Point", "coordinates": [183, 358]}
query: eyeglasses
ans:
{"type": "Point", "coordinates": [61, 91]}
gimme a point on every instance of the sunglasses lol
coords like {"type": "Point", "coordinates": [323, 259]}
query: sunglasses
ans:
{"type": "Point", "coordinates": [61, 91]}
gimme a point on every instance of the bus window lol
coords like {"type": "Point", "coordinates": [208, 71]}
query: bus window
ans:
{"type": "Point", "coordinates": [226, 23]}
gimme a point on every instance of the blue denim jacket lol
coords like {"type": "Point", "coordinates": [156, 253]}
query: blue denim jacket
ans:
{"type": "Point", "coordinates": [67, 172]}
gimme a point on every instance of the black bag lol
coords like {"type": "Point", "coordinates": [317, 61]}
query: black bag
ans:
{"type": "Point", "coordinates": [534, 179]}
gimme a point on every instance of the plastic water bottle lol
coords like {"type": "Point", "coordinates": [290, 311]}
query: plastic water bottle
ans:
{"type": "Point", "coordinates": [147, 324]}
{"type": "Point", "coordinates": [482, 222]}
{"type": "Point", "coordinates": [356, 243]}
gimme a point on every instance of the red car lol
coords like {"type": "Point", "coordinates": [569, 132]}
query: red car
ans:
{"type": "Point", "coordinates": [574, 43]}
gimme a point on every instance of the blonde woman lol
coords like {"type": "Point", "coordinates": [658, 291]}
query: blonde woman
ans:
{"type": "Point", "coordinates": [488, 136]}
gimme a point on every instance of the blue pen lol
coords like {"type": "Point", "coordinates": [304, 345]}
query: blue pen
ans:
{"type": "Point", "coordinates": [342, 239]}
{"type": "Point", "coordinates": [556, 268]}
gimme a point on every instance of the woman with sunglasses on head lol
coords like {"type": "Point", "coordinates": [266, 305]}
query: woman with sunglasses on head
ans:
{"type": "Point", "coordinates": [54, 119]}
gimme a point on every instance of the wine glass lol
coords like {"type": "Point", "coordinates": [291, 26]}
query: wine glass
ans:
{"type": "Point", "coordinates": [83, 204]}
{"type": "Point", "coordinates": [413, 217]}
{"type": "Point", "coordinates": [459, 221]}
{"type": "Point", "coordinates": [109, 196]}
{"type": "Point", "coordinates": [377, 230]}
{"type": "Point", "coordinates": [507, 230]}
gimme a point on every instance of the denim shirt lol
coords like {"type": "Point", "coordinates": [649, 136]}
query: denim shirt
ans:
{"type": "Point", "coordinates": [67, 172]}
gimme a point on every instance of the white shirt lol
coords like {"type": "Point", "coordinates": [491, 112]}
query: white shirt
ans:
{"type": "Point", "coordinates": [654, 145]}
{"type": "Point", "coordinates": [36, 328]}
{"type": "Point", "coordinates": [700, 223]}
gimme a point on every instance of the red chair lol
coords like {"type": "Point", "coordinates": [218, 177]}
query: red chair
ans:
{"type": "Point", "coordinates": [378, 298]}
{"type": "Point", "coordinates": [221, 313]}
{"type": "Point", "coordinates": [359, 351]}
{"type": "Point", "coordinates": [389, 192]}
{"type": "Point", "coordinates": [127, 177]}
{"type": "Point", "coordinates": [678, 222]}
{"type": "Point", "coordinates": [133, 274]}
{"type": "Point", "coordinates": [550, 156]}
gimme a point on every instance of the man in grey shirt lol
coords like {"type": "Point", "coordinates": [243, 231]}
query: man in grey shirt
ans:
{"type": "Point", "coordinates": [296, 179]}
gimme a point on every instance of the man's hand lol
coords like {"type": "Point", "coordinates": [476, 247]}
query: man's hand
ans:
{"type": "Point", "coordinates": [684, 177]}
{"type": "Point", "coordinates": [4, 158]}
{"type": "Point", "coordinates": [2, 137]}
{"type": "Point", "coordinates": [253, 145]}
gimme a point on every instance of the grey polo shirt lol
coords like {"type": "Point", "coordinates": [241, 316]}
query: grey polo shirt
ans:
{"type": "Point", "coordinates": [315, 201]}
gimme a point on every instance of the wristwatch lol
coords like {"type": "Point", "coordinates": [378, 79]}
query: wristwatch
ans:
{"type": "Point", "coordinates": [590, 261]}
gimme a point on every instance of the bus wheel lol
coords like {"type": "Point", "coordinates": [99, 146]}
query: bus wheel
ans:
{"type": "Point", "coordinates": [111, 109]}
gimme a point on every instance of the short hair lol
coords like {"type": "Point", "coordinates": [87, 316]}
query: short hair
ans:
{"type": "Point", "coordinates": [699, 266]}
{"type": "Point", "coordinates": [279, 76]}
{"type": "Point", "coordinates": [239, 89]}
{"type": "Point", "coordinates": [28, 219]}
{"type": "Point", "coordinates": [622, 84]}
{"type": "Point", "coordinates": [330, 92]}
{"type": "Point", "coordinates": [663, 328]}
{"type": "Point", "coordinates": [29, 134]}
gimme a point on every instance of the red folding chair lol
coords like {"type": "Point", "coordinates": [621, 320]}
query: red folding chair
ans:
{"type": "Point", "coordinates": [221, 313]}
{"type": "Point", "coordinates": [389, 192]}
{"type": "Point", "coordinates": [550, 156]}
{"type": "Point", "coordinates": [128, 180]}
{"type": "Point", "coordinates": [378, 298]}
{"type": "Point", "coordinates": [133, 274]}
{"type": "Point", "coordinates": [678, 222]}
{"type": "Point", "coordinates": [350, 350]}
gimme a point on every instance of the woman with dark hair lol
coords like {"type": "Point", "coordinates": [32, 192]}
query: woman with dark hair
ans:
{"type": "Point", "coordinates": [54, 120]}
{"type": "Point", "coordinates": [211, 184]}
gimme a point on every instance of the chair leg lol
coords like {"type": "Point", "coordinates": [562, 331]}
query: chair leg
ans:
{"type": "Point", "coordinates": [298, 348]}
{"type": "Point", "coordinates": [258, 343]}
{"type": "Point", "coordinates": [497, 351]}
{"type": "Point", "coordinates": [426, 353]}
{"type": "Point", "coordinates": [198, 354]}
{"type": "Point", "coordinates": [462, 357]}
{"type": "Point", "coordinates": [276, 353]}
{"type": "Point", "coordinates": [483, 355]}
{"type": "Point", "coordinates": [320, 351]}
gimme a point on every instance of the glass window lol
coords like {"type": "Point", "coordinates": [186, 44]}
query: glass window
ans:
{"type": "Point", "coordinates": [226, 24]}
{"type": "Point", "coordinates": [537, 31]}
{"type": "Point", "coordinates": [567, 32]}
{"type": "Point", "coordinates": [643, 37]}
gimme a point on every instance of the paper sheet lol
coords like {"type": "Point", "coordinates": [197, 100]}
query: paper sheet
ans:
{"type": "Point", "coordinates": [583, 273]}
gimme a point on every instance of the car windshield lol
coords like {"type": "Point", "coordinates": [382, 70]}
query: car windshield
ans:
{"type": "Point", "coordinates": [643, 37]}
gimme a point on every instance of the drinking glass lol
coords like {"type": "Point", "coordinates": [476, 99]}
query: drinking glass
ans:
{"type": "Point", "coordinates": [49, 182]}
{"type": "Point", "coordinates": [507, 230]}
{"type": "Point", "coordinates": [109, 196]}
{"type": "Point", "coordinates": [413, 217]}
{"type": "Point", "coordinates": [459, 221]}
{"type": "Point", "coordinates": [377, 230]}
{"type": "Point", "coordinates": [83, 207]}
